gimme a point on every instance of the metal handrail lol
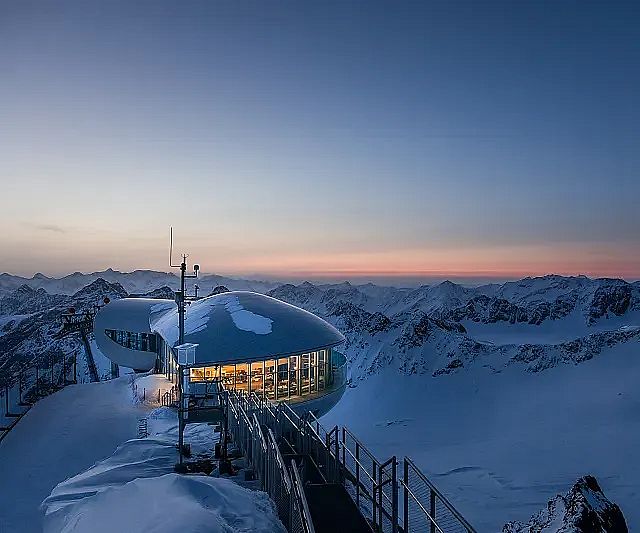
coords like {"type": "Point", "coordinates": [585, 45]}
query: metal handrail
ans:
{"type": "Point", "coordinates": [380, 484]}
{"type": "Point", "coordinates": [279, 459]}
{"type": "Point", "coordinates": [417, 500]}
{"type": "Point", "coordinates": [298, 491]}
{"type": "Point", "coordinates": [442, 498]}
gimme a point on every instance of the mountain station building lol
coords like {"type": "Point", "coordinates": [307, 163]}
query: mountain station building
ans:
{"type": "Point", "coordinates": [243, 340]}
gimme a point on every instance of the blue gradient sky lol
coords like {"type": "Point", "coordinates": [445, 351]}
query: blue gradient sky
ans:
{"type": "Point", "coordinates": [334, 138]}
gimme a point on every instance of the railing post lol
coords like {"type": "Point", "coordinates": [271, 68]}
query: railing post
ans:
{"type": "Point", "coordinates": [432, 510]}
{"type": "Point", "coordinates": [338, 473]}
{"type": "Point", "coordinates": [405, 503]}
{"type": "Point", "coordinates": [394, 495]}
{"type": "Point", "coordinates": [380, 502]}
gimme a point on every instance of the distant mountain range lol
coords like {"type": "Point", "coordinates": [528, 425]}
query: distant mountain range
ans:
{"type": "Point", "coordinates": [438, 329]}
{"type": "Point", "coordinates": [444, 328]}
{"type": "Point", "coordinates": [138, 281]}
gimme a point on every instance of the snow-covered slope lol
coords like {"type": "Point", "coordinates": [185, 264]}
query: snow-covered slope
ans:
{"type": "Point", "coordinates": [74, 464]}
{"type": "Point", "coordinates": [62, 435]}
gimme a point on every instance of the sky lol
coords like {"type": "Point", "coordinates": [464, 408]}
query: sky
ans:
{"type": "Point", "coordinates": [335, 138]}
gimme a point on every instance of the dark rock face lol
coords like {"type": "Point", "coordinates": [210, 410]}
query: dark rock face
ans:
{"type": "Point", "coordinates": [489, 310]}
{"type": "Point", "coordinates": [451, 366]}
{"type": "Point", "coordinates": [219, 289]}
{"type": "Point", "coordinates": [418, 328]}
{"type": "Point", "coordinates": [584, 509]}
{"type": "Point", "coordinates": [161, 293]}
{"type": "Point", "coordinates": [96, 292]}
{"type": "Point", "coordinates": [357, 319]}
{"type": "Point", "coordinates": [26, 300]}
{"type": "Point", "coordinates": [614, 297]}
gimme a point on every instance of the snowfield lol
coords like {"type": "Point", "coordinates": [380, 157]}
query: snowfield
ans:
{"type": "Point", "coordinates": [170, 503]}
{"type": "Point", "coordinates": [62, 435]}
{"type": "Point", "coordinates": [63, 475]}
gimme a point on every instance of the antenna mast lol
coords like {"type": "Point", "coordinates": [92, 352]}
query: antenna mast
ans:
{"type": "Point", "coordinates": [181, 300]}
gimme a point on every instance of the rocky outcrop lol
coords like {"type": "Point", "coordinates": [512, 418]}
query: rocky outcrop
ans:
{"type": "Point", "coordinates": [356, 319]}
{"type": "Point", "coordinates": [26, 300]}
{"type": "Point", "coordinates": [584, 509]}
{"type": "Point", "coordinates": [612, 297]}
{"type": "Point", "coordinates": [34, 339]}
{"type": "Point", "coordinates": [417, 328]}
{"type": "Point", "coordinates": [489, 310]}
{"type": "Point", "coordinates": [540, 357]}
{"type": "Point", "coordinates": [218, 289]}
{"type": "Point", "coordinates": [95, 293]}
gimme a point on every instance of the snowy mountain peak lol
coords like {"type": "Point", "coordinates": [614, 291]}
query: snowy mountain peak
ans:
{"type": "Point", "coordinates": [584, 509]}
{"type": "Point", "coordinates": [97, 291]}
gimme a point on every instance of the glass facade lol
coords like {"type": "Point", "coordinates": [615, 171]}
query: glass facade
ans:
{"type": "Point", "coordinates": [167, 362]}
{"type": "Point", "coordinates": [282, 378]}
{"type": "Point", "coordinates": [144, 342]}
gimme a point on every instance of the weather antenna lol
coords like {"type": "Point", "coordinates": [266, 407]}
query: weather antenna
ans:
{"type": "Point", "coordinates": [181, 300]}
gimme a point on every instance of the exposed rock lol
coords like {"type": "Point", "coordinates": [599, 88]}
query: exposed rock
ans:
{"type": "Point", "coordinates": [584, 509]}
{"type": "Point", "coordinates": [26, 300]}
{"type": "Point", "coordinates": [356, 319]}
{"type": "Point", "coordinates": [613, 296]}
{"type": "Point", "coordinates": [161, 293]}
{"type": "Point", "coordinates": [96, 292]}
{"type": "Point", "coordinates": [219, 289]}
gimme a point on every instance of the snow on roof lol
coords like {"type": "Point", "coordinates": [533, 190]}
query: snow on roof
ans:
{"type": "Point", "coordinates": [247, 326]}
{"type": "Point", "coordinates": [132, 314]}
{"type": "Point", "coordinates": [230, 326]}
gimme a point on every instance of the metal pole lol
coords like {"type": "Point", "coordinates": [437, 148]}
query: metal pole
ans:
{"type": "Point", "coordinates": [181, 303]}
{"type": "Point", "coordinates": [394, 495]}
{"type": "Point", "coordinates": [180, 414]}
{"type": "Point", "coordinates": [433, 510]}
{"type": "Point", "coordinates": [183, 269]}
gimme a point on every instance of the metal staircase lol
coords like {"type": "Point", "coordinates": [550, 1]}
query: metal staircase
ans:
{"type": "Point", "coordinates": [328, 481]}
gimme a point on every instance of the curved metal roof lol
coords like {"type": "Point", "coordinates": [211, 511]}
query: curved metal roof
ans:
{"type": "Point", "coordinates": [246, 326]}
{"type": "Point", "coordinates": [129, 314]}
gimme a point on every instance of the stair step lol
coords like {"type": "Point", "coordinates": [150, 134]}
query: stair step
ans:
{"type": "Point", "coordinates": [344, 516]}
